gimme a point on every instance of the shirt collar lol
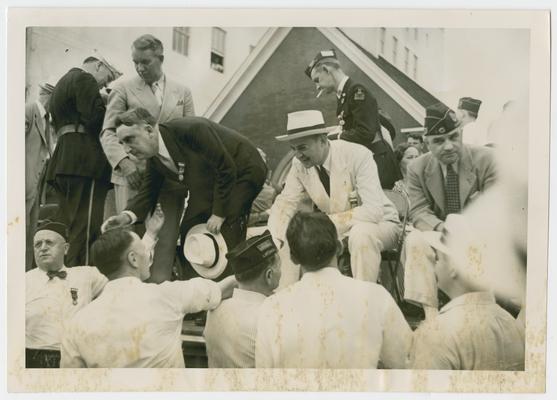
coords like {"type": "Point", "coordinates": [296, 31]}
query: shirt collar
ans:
{"type": "Point", "coordinates": [444, 168]}
{"type": "Point", "coordinates": [160, 82]}
{"type": "Point", "coordinates": [125, 281]}
{"type": "Point", "coordinates": [163, 150]}
{"type": "Point", "coordinates": [248, 295]}
{"type": "Point", "coordinates": [473, 298]}
{"type": "Point", "coordinates": [42, 110]}
{"type": "Point", "coordinates": [327, 272]}
{"type": "Point", "coordinates": [341, 86]}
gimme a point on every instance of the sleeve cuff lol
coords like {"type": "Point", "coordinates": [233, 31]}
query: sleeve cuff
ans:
{"type": "Point", "coordinates": [130, 214]}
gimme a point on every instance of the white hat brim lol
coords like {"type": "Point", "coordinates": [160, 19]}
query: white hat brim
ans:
{"type": "Point", "coordinates": [311, 132]}
{"type": "Point", "coordinates": [215, 271]}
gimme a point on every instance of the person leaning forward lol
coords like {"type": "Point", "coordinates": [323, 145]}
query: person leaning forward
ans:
{"type": "Point", "coordinates": [222, 171]}
{"type": "Point", "coordinates": [357, 111]}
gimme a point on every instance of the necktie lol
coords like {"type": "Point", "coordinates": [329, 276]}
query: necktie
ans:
{"type": "Point", "coordinates": [59, 274]}
{"type": "Point", "coordinates": [452, 193]}
{"type": "Point", "coordinates": [47, 131]}
{"type": "Point", "coordinates": [157, 91]}
{"type": "Point", "coordinates": [324, 178]}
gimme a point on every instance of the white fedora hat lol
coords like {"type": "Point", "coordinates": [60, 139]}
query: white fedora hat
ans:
{"type": "Point", "coordinates": [205, 252]}
{"type": "Point", "coordinates": [304, 123]}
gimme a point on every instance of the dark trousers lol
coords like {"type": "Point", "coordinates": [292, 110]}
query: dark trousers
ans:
{"type": "Point", "coordinates": [42, 358]}
{"type": "Point", "coordinates": [81, 208]}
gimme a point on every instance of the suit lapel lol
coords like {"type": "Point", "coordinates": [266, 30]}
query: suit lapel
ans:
{"type": "Point", "coordinates": [37, 120]}
{"type": "Point", "coordinates": [168, 100]}
{"type": "Point", "coordinates": [146, 97]}
{"type": "Point", "coordinates": [434, 182]}
{"type": "Point", "coordinates": [466, 176]}
{"type": "Point", "coordinates": [343, 96]}
{"type": "Point", "coordinates": [340, 184]}
{"type": "Point", "coordinates": [315, 189]}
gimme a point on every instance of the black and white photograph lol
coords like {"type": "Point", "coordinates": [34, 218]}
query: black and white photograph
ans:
{"type": "Point", "coordinates": [287, 202]}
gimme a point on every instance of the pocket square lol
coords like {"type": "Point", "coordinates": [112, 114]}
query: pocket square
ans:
{"type": "Point", "coordinates": [180, 102]}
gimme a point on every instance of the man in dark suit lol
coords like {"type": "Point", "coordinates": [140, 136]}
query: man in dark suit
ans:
{"type": "Point", "coordinates": [357, 111]}
{"type": "Point", "coordinates": [79, 171]}
{"type": "Point", "coordinates": [222, 171]}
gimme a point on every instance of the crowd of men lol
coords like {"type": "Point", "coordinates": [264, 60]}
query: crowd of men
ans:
{"type": "Point", "coordinates": [101, 296]}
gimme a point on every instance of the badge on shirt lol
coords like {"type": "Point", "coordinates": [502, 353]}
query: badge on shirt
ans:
{"type": "Point", "coordinates": [341, 119]}
{"type": "Point", "coordinates": [73, 292]}
{"type": "Point", "coordinates": [342, 98]}
{"type": "Point", "coordinates": [359, 95]}
{"type": "Point", "coordinates": [181, 170]}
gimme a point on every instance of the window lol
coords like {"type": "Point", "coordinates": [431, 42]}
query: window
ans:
{"type": "Point", "coordinates": [217, 49]}
{"type": "Point", "coordinates": [415, 66]}
{"type": "Point", "coordinates": [406, 59]}
{"type": "Point", "coordinates": [181, 40]}
{"type": "Point", "coordinates": [382, 40]}
{"type": "Point", "coordinates": [395, 49]}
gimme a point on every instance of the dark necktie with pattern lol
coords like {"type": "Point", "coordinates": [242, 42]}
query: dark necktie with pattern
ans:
{"type": "Point", "coordinates": [324, 178]}
{"type": "Point", "coordinates": [59, 274]}
{"type": "Point", "coordinates": [452, 192]}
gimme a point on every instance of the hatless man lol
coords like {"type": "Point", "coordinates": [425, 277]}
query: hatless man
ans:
{"type": "Point", "coordinates": [135, 324]}
{"type": "Point", "coordinates": [78, 170]}
{"type": "Point", "coordinates": [327, 320]}
{"type": "Point", "coordinates": [165, 100]}
{"type": "Point", "coordinates": [39, 145]}
{"type": "Point", "coordinates": [340, 179]}
{"type": "Point", "coordinates": [231, 327]}
{"type": "Point", "coordinates": [358, 113]}
{"type": "Point", "coordinates": [467, 113]}
{"type": "Point", "coordinates": [222, 171]}
{"type": "Point", "coordinates": [471, 332]}
{"type": "Point", "coordinates": [440, 182]}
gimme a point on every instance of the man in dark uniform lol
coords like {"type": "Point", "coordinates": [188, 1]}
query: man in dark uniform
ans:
{"type": "Point", "coordinates": [78, 170]}
{"type": "Point", "coordinates": [222, 171]}
{"type": "Point", "coordinates": [357, 111]}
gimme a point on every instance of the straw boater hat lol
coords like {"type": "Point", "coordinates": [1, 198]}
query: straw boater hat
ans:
{"type": "Point", "coordinates": [304, 123]}
{"type": "Point", "coordinates": [205, 252]}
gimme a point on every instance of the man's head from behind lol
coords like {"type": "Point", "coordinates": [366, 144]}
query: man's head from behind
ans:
{"type": "Point", "coordinates": [137, 133]}
{"type": "Point", "coordinates": [313, 241]}
{"type": "Point", "coordinates": [50, 245]}
{"type": "Point", "coordinates": [256, 264]}
{"type": "Point", "coordinates": [120, 252]}
{"type": "Point", "coordinates": [443, 134]}
{"type": "Point", "coordinates": [147, 56]}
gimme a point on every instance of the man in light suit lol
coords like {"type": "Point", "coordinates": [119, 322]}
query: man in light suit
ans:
{"type": "Point", "coordinates": [39, 145]}
{"type": "Point", "coordinates": [440, 182]}
{"type": "Point", "coordinates": [165, 100]}
{"type": "Point", "coordinates": [340, 178]}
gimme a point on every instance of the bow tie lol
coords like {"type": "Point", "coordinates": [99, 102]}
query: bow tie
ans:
{"type": "Point", "coordinates": [59, 274]}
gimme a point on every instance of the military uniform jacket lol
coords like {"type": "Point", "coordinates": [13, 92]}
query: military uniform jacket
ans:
{"type": "Point", "coordinates": [358, 115]}
{"type": "Point", "coordinates": [213, 160]}
{"type": "Point", "coordinates": [76, 101]}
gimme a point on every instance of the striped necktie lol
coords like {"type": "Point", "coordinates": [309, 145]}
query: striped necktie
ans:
{"type": "Point", "coordinates": [452, 192]}
{"type": "Point", "coordinates": [324, 178]}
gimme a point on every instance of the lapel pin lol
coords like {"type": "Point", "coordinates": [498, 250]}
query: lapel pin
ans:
{"type": "Point", "coordinates": [181, 170]}
{"type": "Point", "coordinates": [73, 292]}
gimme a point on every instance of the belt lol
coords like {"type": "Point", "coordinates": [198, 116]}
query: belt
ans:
{"type": "Point", "coordinates": [70, 129]}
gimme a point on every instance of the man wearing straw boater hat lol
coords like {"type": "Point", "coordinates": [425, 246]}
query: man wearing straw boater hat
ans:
{"type": "Point", "coordinates": [79, 170]}
{"type": "Point", "coordinates": [340, 179]}
{"type": "Point", "coordinates": [440, 182]}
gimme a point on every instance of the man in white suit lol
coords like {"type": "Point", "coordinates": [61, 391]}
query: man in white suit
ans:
{"type": "Point", "coordinates": [340, 178]}
{"type": "Point", "coordinates": [165, 100]}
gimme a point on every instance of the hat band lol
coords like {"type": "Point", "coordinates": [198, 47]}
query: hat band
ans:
{"type": "Point", "coordinates": [216, 250]}
{"type": "Point", "coordinates": [305, 128]}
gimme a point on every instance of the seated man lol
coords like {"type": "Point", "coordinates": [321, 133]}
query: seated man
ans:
{"type": "Point", "coordinates": [327, 320]}
{"type": "Point", "coordinates": [55, 293]}
{"type": "Point", "coordinates": [471, 332]}
{"type": "Point", "coordinates": [440, 182]}
{"type": "Point", "coordinates": [231, 327]}
{"type": "Point", "coordinates": [132, 323]}
{"type": "Point", "coordinates": [340, 178]}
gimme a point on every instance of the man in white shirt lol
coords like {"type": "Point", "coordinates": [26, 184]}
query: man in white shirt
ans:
{"type": "Point", "coordinates": [231, 327]}
{"type": "Point", "coordinates": [135, 324]}
{"type": "Point", "coordinates": [327, 320]}
{"type": "Point", "coordinates": [340, 179]}
{"type": "Point", "coordinates": [54, 293]}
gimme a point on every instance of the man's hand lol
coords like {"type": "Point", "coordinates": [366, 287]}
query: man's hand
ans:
{"type": "Point", "coordinates": [227, 286]}
{"type": "Point", "coordinates": [116, 221]}
{"type": "Point", "coordinates": [130, 171]}
{"type": "Point", "coordinates": [214, 224]}
{"type": "Point", "coordinates": [154, 222]}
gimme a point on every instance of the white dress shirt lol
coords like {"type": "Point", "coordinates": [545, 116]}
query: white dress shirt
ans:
{"type": "Point", "coordinates": [135, 324]}
{"type": "Point", "coordinates": [327, 320]}
{"type": "Point", "coordinates": [49, 303]}
{"type": "Point", "coordinates": [158, 89]}
{"type": "Point", "coordinates": [230, 330]}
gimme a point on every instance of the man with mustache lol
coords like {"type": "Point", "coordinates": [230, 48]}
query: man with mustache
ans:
{"type": "Point", "coordinates": [441, 182]}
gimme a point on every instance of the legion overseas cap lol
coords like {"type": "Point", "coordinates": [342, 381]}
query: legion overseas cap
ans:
{"type": "Point", "coordinates": [440, 120]}
{"type": "Point", "coordinates": [58, 227]}
{"type": "Point", "coordinates": [469, 104]}
{"type": "Point", "coordinates": [252, 253]}
{"type": "Point", "coordinates": [323, 54]}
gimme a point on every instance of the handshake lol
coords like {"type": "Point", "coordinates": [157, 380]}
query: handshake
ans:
{"type": "Point", "coordinates": [153, 222]}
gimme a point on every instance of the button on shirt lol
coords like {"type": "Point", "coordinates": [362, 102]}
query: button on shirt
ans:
{"type": "Point", "coordinates": [471, 332]}
{"type": "Point", "coordinates": [135, 324]}
{"type": "Point", "coordinates": [49, 303]}
{"type": "Point", "coordinates": [327, 320]}
{"type": "Point", "coordinates": [230, 331]}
